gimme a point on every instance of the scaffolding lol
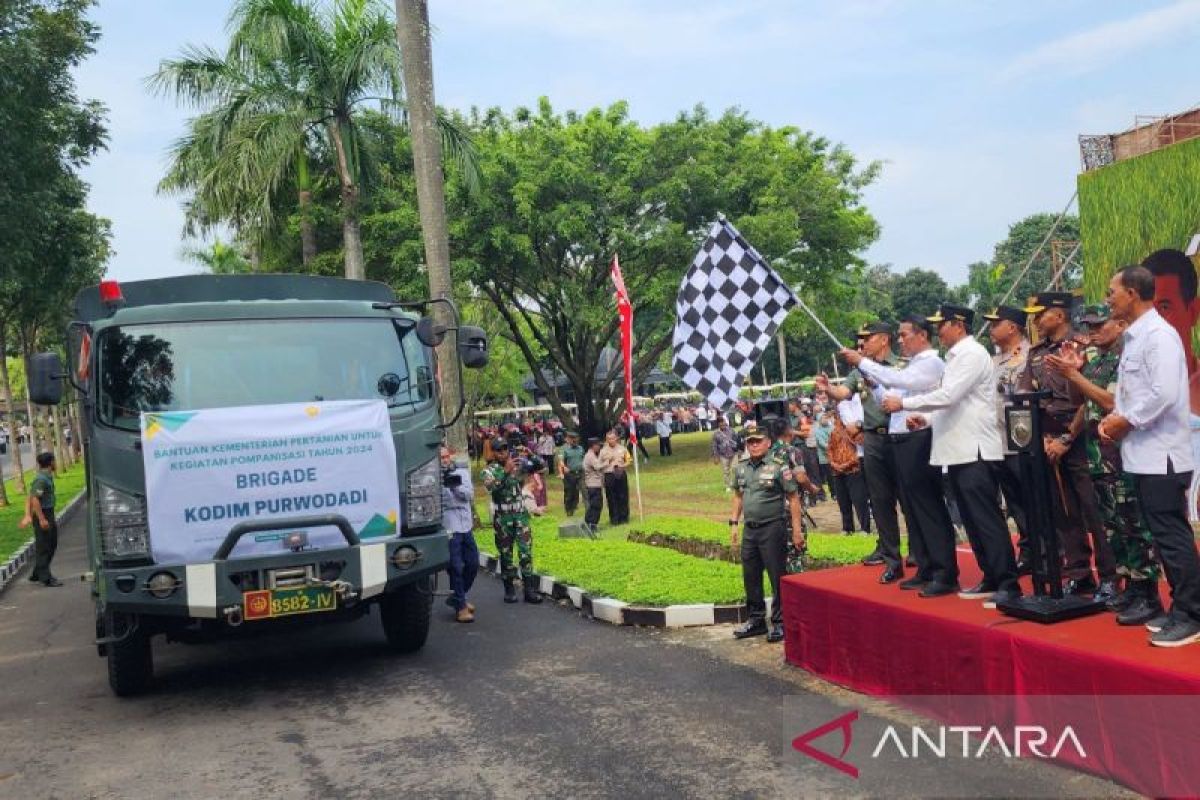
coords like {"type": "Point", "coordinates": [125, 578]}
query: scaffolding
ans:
{"type": "Point", "coordinates": [1149, 133]}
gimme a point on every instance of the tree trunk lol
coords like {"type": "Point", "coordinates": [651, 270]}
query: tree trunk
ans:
{"type": "Point", "coordinates": [412, 23]}
{"type": "Point", "coordinates": [60, 452]}
{"type": "Point", "coordinates": [351, 236]}
{"type": "Point", "coordinates": [782, 358]}
{"type": "Point", "coordinates": [308, 237]}
{"type": "Point", "coordinates": [14, 444]}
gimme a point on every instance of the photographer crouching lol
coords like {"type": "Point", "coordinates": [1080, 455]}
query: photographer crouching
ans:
{"type": "Point", "coordinates": [458, 515]}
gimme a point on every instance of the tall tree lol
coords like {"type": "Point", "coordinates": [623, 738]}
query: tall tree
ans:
{"type": "Point", "coordinates": [286, 93]}
{"type": "Point", "coordinates": [412, 17]}
{"type": "Point", "coordinates": [989, 281]}
{"type": "Point", "coordinates": [919, 291]}
{"type": "Point", "coordinates": [566, 192]}
{"type": "Point", "coordinates": [47, 133]}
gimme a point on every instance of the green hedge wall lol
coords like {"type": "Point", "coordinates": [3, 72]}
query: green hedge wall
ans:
{"type": "Point", "coordinates": [1131, 208]}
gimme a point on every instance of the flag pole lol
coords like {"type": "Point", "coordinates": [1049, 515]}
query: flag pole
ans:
{"type": "Point", "coordinates": [817, 320]}
{"type": "Point", "coordinates": [637, 473]}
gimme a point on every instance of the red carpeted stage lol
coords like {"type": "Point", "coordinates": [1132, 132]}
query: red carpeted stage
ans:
{"type": "Point", "coordinates": [845, 627]}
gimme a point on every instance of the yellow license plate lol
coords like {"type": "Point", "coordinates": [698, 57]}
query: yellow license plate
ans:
{"type": "Point", "coordinates": [271, 603]}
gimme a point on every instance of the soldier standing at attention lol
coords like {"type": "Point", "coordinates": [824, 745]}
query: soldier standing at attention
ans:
{"type": "Point", "coordinates": [1115, 494]}
{"type": "Point", "coordinates": [39, 509]}
{"type": "Point", "coordinates": [503, 478]}
{"type": "Point", "coordinates": [570, 469]}
{"type": "Point", "coordinates": [767, 493]}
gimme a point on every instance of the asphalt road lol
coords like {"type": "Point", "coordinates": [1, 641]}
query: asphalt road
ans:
{"type": "Point", "coordinates": [528, 702]}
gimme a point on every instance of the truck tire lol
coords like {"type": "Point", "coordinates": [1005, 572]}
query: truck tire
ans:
{"type": "Point", "coordinates": [130, 660]}
{"type": "Point", "coordinates": [405, 615]}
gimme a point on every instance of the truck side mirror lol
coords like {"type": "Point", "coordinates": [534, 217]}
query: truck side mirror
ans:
{"type": "Point", "coordinates": [472, 346]}
{"type": "Point", "coordinates": [430, 333]}
{"type": "Point", "coordinates": [45, 379]}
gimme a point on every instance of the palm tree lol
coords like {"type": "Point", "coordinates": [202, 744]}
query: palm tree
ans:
{"type": "Point", "coordinates": [288, 86]}
{"type": "Point", "coordinates": [219, 258]}
{"type": "Point", "coordinates": [413, 32]}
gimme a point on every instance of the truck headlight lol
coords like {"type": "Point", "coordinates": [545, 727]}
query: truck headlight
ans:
{"type": "Point", "coordinates": [123, 529]}
{"type": "Point", "coordinates": [423, 498]}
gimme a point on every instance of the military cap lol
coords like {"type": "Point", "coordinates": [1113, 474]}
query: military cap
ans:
{"type": "Point", "coordinates": [1095, 315]}
{"type": "Point", "coordinates": [950, 311]}
{"type": "Point", "coordinates": [753, 432]}
{"type": "Point", "coordinates": [1046, 300]}
{"type": "Point", "coordinates": [871, 328]}
{"type": "Point", "coordinates": [1010, 313]}
{"type": "Point", "coordinates": [573, 434]}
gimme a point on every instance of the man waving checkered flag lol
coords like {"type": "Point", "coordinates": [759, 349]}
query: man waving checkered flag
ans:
{"type": "Point", "coordinates": [730, 304]}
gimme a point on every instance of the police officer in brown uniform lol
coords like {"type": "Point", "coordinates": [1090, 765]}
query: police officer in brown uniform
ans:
{"type": "Point", "coordinates": [1076, 516]}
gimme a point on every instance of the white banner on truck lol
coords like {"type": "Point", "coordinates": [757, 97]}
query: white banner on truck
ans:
{"type": "Point", "coordinates": [208, 470]}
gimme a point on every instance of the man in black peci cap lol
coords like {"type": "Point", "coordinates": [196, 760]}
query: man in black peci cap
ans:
{"type": "Point", "coordinates": [967, 442]}
{"type": "Point", "coordinates": [1007, 331]}
{"type": "Point", "coordinates": [1076, 515]}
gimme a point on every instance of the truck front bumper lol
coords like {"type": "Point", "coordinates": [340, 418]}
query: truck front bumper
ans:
{"type": "Point", "coordinates": [212, 589]}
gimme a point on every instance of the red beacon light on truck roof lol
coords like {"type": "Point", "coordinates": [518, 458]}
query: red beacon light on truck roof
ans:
{"type": "Point", "coordinates": [110, 293]}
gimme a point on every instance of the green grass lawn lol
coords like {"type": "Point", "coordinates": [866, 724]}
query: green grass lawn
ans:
{"type": "Point", "coordinates": [67, 484]}
{"type": "Point", "coordinates": [684, 496]}
{"type": "Point", "coordinates": [825, 549]}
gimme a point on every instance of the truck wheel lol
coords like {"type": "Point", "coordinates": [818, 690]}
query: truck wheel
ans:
{"type": "Point", "coordinates": [405, 614]}
{"type": "Point", "coordinates": [130, 661]}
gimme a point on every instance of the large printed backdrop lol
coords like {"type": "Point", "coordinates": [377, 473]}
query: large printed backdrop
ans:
{"type": "Point", "coordinates": [208, 470]}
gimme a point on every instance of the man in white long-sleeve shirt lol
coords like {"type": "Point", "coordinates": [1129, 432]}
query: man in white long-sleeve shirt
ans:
{"type": "Point", "coordinates": [930, 531]}
{"type": "Point", "coordinates": [966, 440]}
{"type": "Point", "coordinates": [1151, 422]}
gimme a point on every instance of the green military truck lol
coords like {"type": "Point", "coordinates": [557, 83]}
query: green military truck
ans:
{"type": "Point", "coordinates": [220, 342]}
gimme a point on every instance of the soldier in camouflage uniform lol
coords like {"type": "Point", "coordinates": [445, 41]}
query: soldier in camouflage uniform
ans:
{"type": "Point", "coordinates": [503, 478]}
{"type": "Point", "coordinates": [783, 455]}
{"type": "Point", "coordinates": [1115, 497]}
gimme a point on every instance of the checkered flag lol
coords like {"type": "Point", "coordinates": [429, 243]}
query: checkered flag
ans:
{"type": "Point", "coordinates": [730, 304]}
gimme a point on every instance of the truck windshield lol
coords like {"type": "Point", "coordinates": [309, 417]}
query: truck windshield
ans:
{"type": "Point", "coordinates": [192, 365]}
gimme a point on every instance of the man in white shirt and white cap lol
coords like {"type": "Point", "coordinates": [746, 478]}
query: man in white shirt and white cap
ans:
{"type": "Point", "coordinates": [1151, 423]}
{"type": "Point", "coordinates": [966, 440]}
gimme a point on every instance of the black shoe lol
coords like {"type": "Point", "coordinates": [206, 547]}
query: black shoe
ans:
{"type": "Point", "coordinates": [1124, 599]}
{"type": "Point", "coordinates": [52, 582]}
{"type": "Point", "coordinates": [510, 591]}
{"type": "Point", "coordinates": [873, 560]}
{"type": "Point", "coordinates": [1002, 596]}
{"type": "Point", "coordinates": [844, 533]}
{"type": "Point", "coordinates": [891, 575]}
{"type": "Point", "coordinates": [980, 591]}
{"type": "Point", "coordinates": [938, 589]}
{"type": "Point", "coordinates": [1163, 620]}
{"type": "Point", "coordinates": [751, 628]}
{"type": "Point", "coordinates": [532, 595]}
{"type": "Point", "coordinates": [1024, 566]}
{"type": "Point", "coordinates": [915, 582]}
{"type": "Point", "coordinates": [1180, 632]}
{"type": "Point", "coordinates": [1107, 591]}
{"type": "Point", "coordinates": [775, 634]}
{"type": "Point", "coordinates": [1080, 586]}
{"type": "Point", "coordinates": [34, 579]}
{"type": "Point", "coordinates": [1141, 610]}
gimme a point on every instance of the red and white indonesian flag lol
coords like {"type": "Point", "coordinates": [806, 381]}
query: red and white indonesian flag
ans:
{"type": "Point", "coordinates": [625, 312]}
